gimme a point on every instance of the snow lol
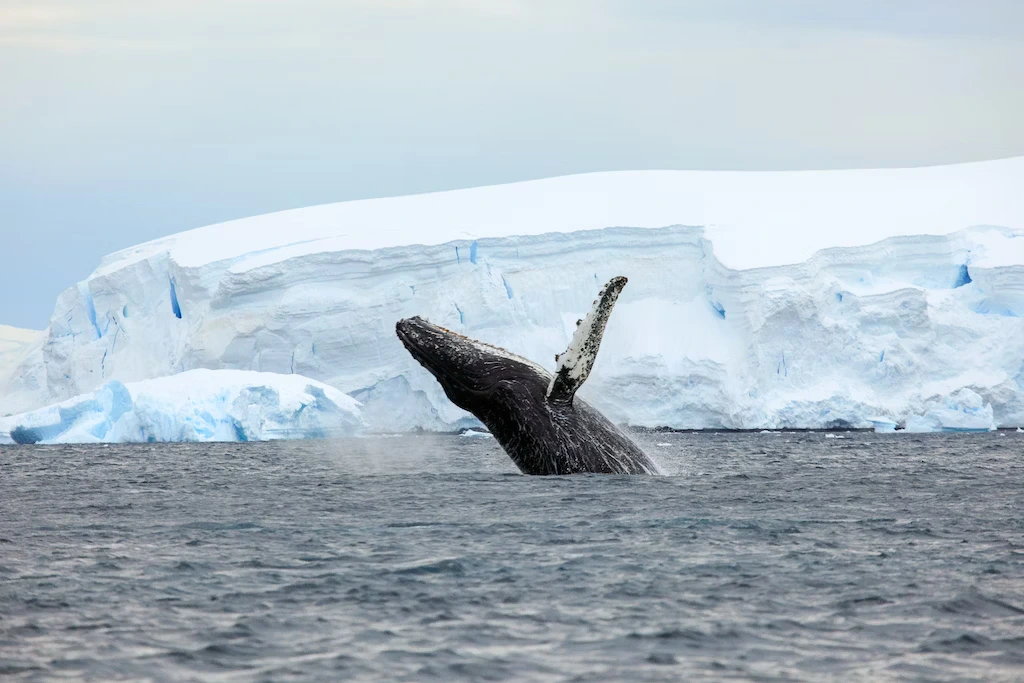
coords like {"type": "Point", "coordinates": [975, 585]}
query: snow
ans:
{"type": "Point", "coordinates": [199, 405]}
{"type": "Point", "coordinates": [748, 212]}
{"type": "Point", "coordinates": [13, 339]}
{"type": "Point", "coordinates": [15, 344]}
{"type": "Point", "coordinates": [755, 300]}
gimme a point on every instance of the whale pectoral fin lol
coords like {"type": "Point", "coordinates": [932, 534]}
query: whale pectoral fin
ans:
{"type": "Point", "coordinates": [575, 363]}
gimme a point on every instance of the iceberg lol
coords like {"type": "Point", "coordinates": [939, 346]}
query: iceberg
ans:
{"type": "Point", "coordinates": [198, 405]}
{"type": "Point", "coordinates": [964, 411]}
{"type": "Point", "coordinates": [832, 299]}
{"type": "Point", "coordinates": [883, 425]}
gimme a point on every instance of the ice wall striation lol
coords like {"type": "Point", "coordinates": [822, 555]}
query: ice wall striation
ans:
{"type": "Point", "coordinates": [198, 405]}
{"type": "Point", "coordinates": [767, 336]}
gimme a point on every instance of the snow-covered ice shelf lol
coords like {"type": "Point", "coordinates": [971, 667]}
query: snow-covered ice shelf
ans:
{"type": "Point", "coordinates": [755, 300]}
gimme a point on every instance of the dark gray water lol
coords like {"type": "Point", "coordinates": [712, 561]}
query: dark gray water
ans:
{"type": "Point", "coordinates": [869, 557]}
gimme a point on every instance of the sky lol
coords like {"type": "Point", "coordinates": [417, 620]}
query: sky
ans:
{"type": "Point", "coordinates": [123, 121]}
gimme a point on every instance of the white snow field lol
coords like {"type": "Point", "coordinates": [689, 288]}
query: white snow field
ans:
{"type": "Point", "coordinates": [755, 300]}
{"type": "Point", "coordinates": [197, 405]}
{"type": "Point", "coordinates": [15, 344]}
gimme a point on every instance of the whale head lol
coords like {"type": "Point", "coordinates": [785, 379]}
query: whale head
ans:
{"type": "Point", "coordinates": [476, 376]}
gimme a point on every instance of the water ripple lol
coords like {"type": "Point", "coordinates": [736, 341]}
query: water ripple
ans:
{"type": "Point", "coordinates": [428, 558]}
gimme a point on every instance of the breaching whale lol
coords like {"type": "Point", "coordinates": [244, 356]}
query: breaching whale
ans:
{"type": "Point", "coordinates": [534, 415]}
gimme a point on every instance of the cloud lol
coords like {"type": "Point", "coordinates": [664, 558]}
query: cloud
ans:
{"type": "Point", "coordinates": [33, 15]}
{"type": "Point", "coordinates": [126, 120]}
{"type": "Point", "coordinates": [978, 18]}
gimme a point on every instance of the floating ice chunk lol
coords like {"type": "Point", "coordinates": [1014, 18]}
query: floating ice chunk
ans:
{"type": "Point", "coordinates": [198, 405]}
{"type": "Point", "coordinates": [882, 425]}
{"type": "Point", "coordinates": [474, 432]}
{"type": "Point", "coordinates": [963, 411]}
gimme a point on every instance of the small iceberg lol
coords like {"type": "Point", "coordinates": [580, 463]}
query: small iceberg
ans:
{"type": "Point", "coordinates": [477, 433]}
{"type": "Point", "coordinates": [197, 405]}
{"type": "Point", "coordinates": [882, 425]}
{"type": "Point", "coordinates": [963, 411]}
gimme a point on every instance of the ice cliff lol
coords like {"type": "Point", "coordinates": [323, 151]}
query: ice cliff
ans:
{"type": "Point", "coordinates": [808, 299]}
{"type": "Point", "coordinates": [198, 405]}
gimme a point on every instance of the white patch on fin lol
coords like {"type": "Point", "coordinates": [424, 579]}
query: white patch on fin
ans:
{"type": "Point", "coordinates": [575, 363]}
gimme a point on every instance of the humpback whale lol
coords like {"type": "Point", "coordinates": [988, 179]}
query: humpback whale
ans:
{"type": "Point", "coordinates": [535, 415]}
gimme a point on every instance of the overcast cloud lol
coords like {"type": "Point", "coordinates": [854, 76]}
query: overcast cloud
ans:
{"type": "Point", "coordinates": [125, 121]}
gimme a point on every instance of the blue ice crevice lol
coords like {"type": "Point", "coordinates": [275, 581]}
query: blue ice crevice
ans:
{"type": "Point", "coordinates": [472, 252]}
{"type": "Point", "coordinates": [714, 303]}
{"type": "Point", "coordinates": [175, 307]}
{"type": "Point", "coordinates": [963, 277]}
{"type": "Point", "coordinates": [90, 308]}
{"type": "Point", "coordinates": [508, 287]}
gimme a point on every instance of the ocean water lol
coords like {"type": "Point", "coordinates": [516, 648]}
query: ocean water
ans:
{"type": "Point", "coordinates": [805, 556]}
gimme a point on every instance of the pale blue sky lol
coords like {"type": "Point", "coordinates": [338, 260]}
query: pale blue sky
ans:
{"type": "Point", "coordinates": [122, 121]}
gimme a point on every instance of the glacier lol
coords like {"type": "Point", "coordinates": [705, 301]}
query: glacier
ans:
{"type": "Point", "coordinates": [755, 300]}
{"type": "Point", "coordinates": [15, 345]}
{"type": "Point", "coordinates": [197, 405]}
